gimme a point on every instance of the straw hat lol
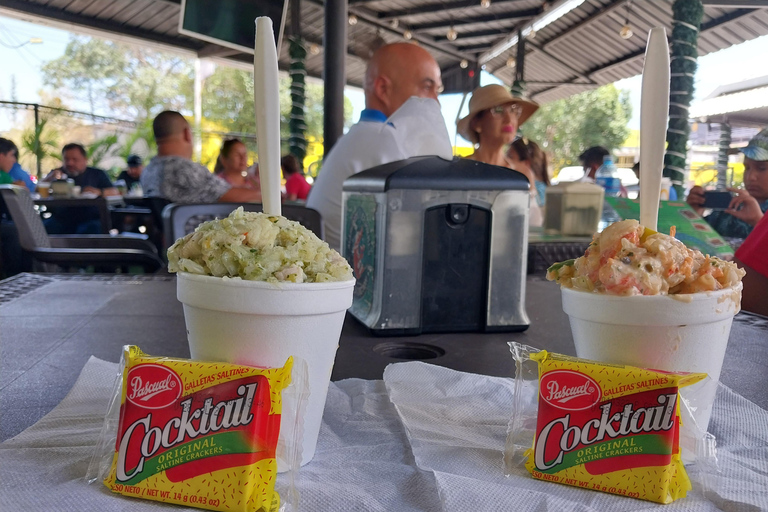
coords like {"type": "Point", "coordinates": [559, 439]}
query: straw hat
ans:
{"type": "Point", "coordinates": [487, 97]}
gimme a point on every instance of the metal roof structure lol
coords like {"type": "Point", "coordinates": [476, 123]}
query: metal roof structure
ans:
{"type": "Point", "coordinates": [579, 50]}
{"type": "Point", "coordinates": [740, 104]}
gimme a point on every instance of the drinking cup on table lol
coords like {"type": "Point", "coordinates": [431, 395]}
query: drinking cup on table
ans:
{"type": "Point", "coordinates": [44, 189]}
{"type": "Point", "coordinates": [262, 324]}
{"type": "Point", "coordinates": [686, 332]}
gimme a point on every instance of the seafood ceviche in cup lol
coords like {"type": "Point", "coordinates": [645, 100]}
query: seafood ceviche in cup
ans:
{"type": "Point", "coordinates": [628, 259]}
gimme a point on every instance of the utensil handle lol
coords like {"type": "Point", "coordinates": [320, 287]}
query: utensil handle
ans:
{"type": "Point", "coordinates": [266, 99]}
{"type": "Point", "coordinates": [654, 108]}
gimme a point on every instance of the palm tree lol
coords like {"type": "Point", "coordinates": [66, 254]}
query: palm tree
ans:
{"type": "Point", "coordinates": [40, 143]}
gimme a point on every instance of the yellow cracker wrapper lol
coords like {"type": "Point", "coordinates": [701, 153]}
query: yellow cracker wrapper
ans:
{"type": "Point", "coordinates": [198, 434]}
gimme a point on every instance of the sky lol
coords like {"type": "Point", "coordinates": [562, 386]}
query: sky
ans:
{"type": "Point", "coordinates": [733, 64]}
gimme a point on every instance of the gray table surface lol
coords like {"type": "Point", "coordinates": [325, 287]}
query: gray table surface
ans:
{"type": "Point", "coordinates": [51, 325]}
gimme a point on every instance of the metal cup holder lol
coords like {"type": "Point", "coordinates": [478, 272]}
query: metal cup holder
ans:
{"type": "Point", "coordinates": [408, 351]}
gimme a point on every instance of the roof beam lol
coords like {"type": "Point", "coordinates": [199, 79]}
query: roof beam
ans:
{"type": "Point", "coordinates": [103, 26]}
{"type": "Point", "coordinates": [706, 27]}
{"type": "Point", "coordinates": [437, 7]}
{"type": "Point", "coordinates": [474, 35]}
{"type": "Point", "coordinates": [736, 4]}
{"type": "Point", "coordinates": [606, 9]}
{"type": "Point", "coordinates": [475, 48]}
{"type": "Point", "coordinates": [366, 16]}
{"type": "Point", "coordinates": [214, 50]}
{"type": "Point", "coordinates": [514, 16]}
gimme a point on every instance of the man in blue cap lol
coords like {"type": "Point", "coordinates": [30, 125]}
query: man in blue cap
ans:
{"type": "Point", "coordinates": [748, 204]}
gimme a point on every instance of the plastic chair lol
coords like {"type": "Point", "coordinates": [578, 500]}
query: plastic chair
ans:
{"type": "Point", "coordinates": [182, 219]}
{"type": "Point", "coordinates": [102, 251]}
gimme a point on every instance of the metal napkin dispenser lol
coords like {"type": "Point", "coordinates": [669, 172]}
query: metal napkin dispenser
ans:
{"type": "Point", "coordinates": [437, 246]}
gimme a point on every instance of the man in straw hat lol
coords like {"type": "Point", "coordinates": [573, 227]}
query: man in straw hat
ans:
{"type": "Point", "coordinates": [394, 126]}
{"type": "Point", "coordinates": [492, 123]}
{"type": "Point", "coordinates": [748, 204]}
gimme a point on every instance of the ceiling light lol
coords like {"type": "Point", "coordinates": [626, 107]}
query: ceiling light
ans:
{"type": "Point", "coordinates": [626, 30]}
{"type": "Point", "coordinates": [464, 64]}
{"type": "Point", "coordinates": [408, 34]}
{"type": "Point", "coordinates": [511, 62]}
{"type": "Point", "coordinates": [314, 49]}
{"type": "Point", "coordinates": [352, 19]}
{"type": "Point", "coordinates": [531, 34]}
{"type": "Point", "coordinates": [452, 34]}
{"type": "Point", "coordinates": [394, 23]}
{"type": "Point", "coordinates": [485, 3]}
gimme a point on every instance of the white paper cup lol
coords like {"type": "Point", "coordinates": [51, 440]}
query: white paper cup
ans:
{"type": "Point", "coordinates": [262, 324]}
{"type": "Point", "coordinates": [688, 333]}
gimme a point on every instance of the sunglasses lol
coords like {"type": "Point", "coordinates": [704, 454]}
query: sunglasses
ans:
{"type": "Point", "coordinates": [513, 110]}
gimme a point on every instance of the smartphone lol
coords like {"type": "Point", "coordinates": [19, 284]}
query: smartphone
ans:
{"type": "Point", "coordinates": [717, 200]}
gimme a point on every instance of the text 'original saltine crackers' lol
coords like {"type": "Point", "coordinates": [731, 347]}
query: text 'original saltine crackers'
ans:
{"type": "Point", "coordinates": [198, 434]}
{"type": "Point", "coordinates": [609, 428]}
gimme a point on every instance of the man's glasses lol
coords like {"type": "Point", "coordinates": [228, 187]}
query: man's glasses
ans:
{"type": "Point", "coordinates": [513, 110]}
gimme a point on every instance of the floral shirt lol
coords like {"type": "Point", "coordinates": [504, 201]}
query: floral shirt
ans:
{"type": "Point", "coordinates": [729, 226]}
{"type": "Point", "coordinates": [181, 180]}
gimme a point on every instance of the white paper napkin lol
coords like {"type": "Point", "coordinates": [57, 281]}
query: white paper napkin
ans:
{"type": "Point", "coordinates": [363, 461]}
{"type": "Point", "coordinates": [457, 425]}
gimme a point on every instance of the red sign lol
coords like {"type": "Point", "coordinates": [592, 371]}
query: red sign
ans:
{"type": "Point", "coordinates": [569, 390]}
{"type": "Point", "coordinates": [153, 386]}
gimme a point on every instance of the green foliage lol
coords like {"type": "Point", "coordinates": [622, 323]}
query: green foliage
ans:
{"type": "Point", "coordinates": [565, 128]}
{"type": "Point", "coordinates": [143, 131]}
{"type": "Point", "coordinates": [125, 80]}
{"type": "Point", "coordinates": [40, 143]}
{"type": "Point", "coordinates": [228, 102]}
{"type": "Point", "coordinates": [100, 149]}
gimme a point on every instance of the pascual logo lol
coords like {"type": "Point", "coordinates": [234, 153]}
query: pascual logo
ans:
{"type": "Point", "coordinates": [569, 390]}
{"type": "Point", "coordinates": [152, 386]}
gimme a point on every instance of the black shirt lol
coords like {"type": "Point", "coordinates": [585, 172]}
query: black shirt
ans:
{"type": "Point", "coordinates": [129, 180]}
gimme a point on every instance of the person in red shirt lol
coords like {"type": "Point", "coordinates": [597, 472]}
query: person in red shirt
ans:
{"type": "Point", "coordinates": [296, 187]}
{"type": "Point", "coordinates": [753, 256]}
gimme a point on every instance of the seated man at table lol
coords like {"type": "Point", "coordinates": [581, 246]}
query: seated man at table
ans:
{"type": "Point", "coordinates": [132, 175]}
{"type": "Point", "coordinates": [93, 182]}
{"type": "Point", "coordinates": [173, 176]}
{"type": "Point", "coordinates": [386, 132]}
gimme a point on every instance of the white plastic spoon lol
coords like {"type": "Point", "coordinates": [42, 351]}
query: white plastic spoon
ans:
{"type": "Point", "coordinates": [266, 101]}
{"type": "Point", "coordinates": [654, 108]}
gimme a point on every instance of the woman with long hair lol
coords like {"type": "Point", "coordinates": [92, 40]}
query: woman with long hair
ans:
{"type": "Point", "coordinates": [527, 157]}
{"type": "Point", "coordinates": [232, 165]}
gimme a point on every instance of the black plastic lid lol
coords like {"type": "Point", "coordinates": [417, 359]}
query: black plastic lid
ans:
{"type": "Point", "coordinates": [434, 173]}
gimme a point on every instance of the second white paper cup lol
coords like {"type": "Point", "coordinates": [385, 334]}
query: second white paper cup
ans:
{"type": "Point", "coordinates": [262, 324]}
{"type": "Point", "coordinates": [672, 333]}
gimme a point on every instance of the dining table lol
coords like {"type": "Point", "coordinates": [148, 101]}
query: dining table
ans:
{"type": "Point", "coordinates": [411, 422]}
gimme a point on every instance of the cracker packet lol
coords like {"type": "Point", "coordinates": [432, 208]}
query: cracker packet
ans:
{"type": "Point", "coordinates": [206, 435]}
{"type": "Point", "coordinates": [603, 427]}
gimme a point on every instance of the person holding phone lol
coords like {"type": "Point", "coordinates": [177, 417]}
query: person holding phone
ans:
{"type": "Point", "coordinates": [746, 206]}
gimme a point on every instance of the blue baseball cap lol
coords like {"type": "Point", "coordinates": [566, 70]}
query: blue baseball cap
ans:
{"type": "Point", "coordinates": [757, 149]}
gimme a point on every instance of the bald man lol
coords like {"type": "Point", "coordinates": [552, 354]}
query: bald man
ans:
{"type": "Point", "coordinates": [395, 73]}
{"type": "Point", "coordinates": [172, 174]}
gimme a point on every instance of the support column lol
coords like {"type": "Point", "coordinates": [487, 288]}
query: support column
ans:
{"type": "Point", "coordinates": [722, 156]}
{"type": "Point", "coordinates": [686, 23]}
{"type": "Point", "coordinates": [334, 72]}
